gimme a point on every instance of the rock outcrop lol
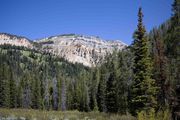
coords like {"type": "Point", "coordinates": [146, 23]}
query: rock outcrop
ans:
{"type": "Point", "coordinates": [15, 40]}
{"type": "Point", "coordinates": [87, 50]}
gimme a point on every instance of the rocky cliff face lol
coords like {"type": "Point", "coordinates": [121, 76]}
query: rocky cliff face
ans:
{"type": "Point", "coordinates": [87, 50]}
{"type": "Point", "coordinates": [14, 40]}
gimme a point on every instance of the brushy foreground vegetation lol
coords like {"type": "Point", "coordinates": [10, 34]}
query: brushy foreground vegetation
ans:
{"type": "Point", "coordinates": [29, 114]}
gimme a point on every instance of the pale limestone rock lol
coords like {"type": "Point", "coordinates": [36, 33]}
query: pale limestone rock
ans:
{"type": "Point", "coordinates": [89, 51]}
{"type": "Point", "coordinates": [14, 40]}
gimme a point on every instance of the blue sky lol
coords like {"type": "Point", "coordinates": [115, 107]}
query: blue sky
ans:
{"type": "Point", "coordinates": [109, 19]}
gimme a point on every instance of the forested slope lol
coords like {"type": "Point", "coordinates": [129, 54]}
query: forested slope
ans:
{"type": "Point", "coordinates": [30, 79]}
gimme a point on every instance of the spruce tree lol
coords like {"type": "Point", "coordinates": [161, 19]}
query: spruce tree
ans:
{"type": "Point", "coordinates": [173, 53]}
{"type": "Point", "coordinates": [13, 91]}
{"type": "Point", "coordinates": [159, 66]}
{"type": "Point", "coordinates": [93, 89]}
{"type": "Point", "coordinates": [63, 95]}
{"type": "Point", "coordinates": [36, 93]}
{"type": "Point", "coordinates": [4, 87]}
{"type": "Point", "coordinates": [172, 45]}
{"type": "Point", "coordinates": [101, 94]}
{"type": "Point", "coordinates": [124, 79]}
{"type": "Point", "coordinates": [84, 94]}
{"type": "Point", "coordinates": [143, 88]}
{"type": "Point", "coordinates": [111, 100]}
{"type": "Point", "coordinates": [25, 85]}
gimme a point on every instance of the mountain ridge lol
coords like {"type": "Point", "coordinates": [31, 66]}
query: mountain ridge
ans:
{"type": "Point", "coordinates": [88, 50]}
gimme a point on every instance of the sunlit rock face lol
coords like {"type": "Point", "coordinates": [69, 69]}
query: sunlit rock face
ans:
{"type": "Point", "coordinates": [14, 40]}
{"type": "Point", "coordinates": [87, 50]}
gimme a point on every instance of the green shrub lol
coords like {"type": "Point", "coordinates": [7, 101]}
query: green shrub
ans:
{"type": "Point", "coordinates": [152, 115]}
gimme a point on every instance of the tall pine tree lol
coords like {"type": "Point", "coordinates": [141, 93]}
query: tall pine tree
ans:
{"type": "Point", "coordinates": [143, 88]}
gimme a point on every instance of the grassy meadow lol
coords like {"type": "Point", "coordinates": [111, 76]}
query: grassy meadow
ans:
{"type": "Point", "coordinates": [30, 114]}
